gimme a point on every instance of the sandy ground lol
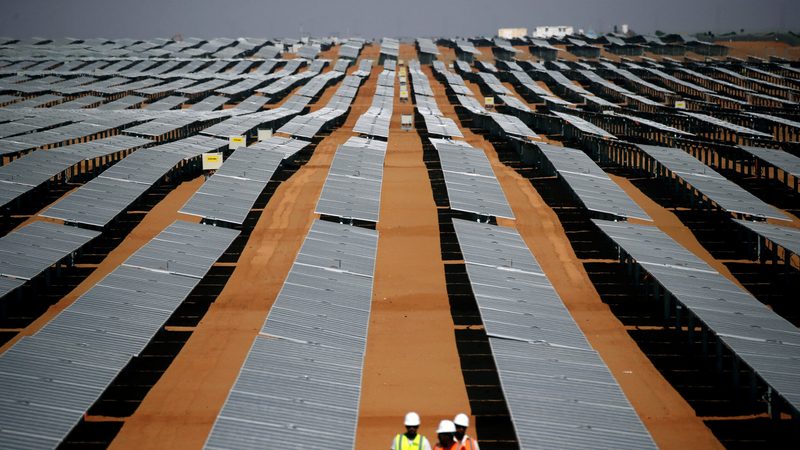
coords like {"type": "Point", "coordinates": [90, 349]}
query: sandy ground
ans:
{"type": "Point", "coordinates": [671, 421]}
{"type": "Point", "coordinates": [762, 49]}
{"type": "Point", "coordinates": [411, 363]}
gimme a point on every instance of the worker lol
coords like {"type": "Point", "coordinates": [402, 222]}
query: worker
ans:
{"type": "Point", "coordinates": [447, 439]}
{"type": "Point", "coordinates": [411, 440]}
{"type": "Point", "coordinates": [464, 441]}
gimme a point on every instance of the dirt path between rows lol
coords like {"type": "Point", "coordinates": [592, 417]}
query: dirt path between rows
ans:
{"type": "Point", "coordinates": [411, 363]}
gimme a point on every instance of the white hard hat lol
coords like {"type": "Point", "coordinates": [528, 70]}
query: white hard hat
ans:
{"type": "Point", "coordinates": [412, 420]}
{"type": "Point", "coordinates": [462, 420]}
{"type": "Point", "coordinates": [446, 426]}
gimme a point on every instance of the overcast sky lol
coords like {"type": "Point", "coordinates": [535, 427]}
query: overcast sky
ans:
{"type": "Point", "coordinates": [376, 18]}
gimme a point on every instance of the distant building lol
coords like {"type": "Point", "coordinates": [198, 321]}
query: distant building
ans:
{"type": "Point", "coordinates": [621, 29]}
{"type": "Point", "coordinates": [548, 31]}
{"type": "Point", "coordinates": [512, 33]}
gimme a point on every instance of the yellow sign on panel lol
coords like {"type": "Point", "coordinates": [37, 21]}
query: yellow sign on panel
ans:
{"type": "Point", "coordinates": [212, 161]}
{"type": "Point", "coordinates": [236, 141]}
{"type": "Point", "coordinates": [488, 101]}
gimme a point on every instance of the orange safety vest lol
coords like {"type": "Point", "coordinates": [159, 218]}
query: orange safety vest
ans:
{"type": "Point", "coordinates": [452, 447]}
{"type": "Point", "coordinates": [468, 444]}
{"type": "Point", "coordinates": [402, 442]}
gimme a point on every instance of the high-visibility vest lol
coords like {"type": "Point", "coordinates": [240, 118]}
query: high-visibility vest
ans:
{"type": "Point", "coordinates": [467, 444]}
{"type": "Point", "coordinates": [402, 443]}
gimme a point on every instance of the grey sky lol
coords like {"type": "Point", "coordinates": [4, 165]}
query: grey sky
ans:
{"type": "Point", "coordinates": [375, 18]}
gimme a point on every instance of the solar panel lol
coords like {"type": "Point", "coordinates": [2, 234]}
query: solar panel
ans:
{"type": "Point", "coordinates": [441, 126]}
{"type": "Point", "coordinates": [301, 380]}
{"type": "Point", "coordinates": [244, 124]}
{"type": "Point", "coordinates": [53, 377]}
{"type": "Point", "coordinates": [512, 125]}
{"type": "Point", "coordinates": [102, 199]}
{"type": "Point", "coordinates": [654, 124]}
{"type": "Point", "coordinates": [584, 125]}
{"type": "Point", "coordinates": [81, 102]}
{"type": "Point", "coordinates": [727, 125]}
{"type": "Point", "coordinates": [427, 46]}
{"type": "Point", "coordinates": [341, 65]}
{"type": "Point", "coordinates": [467, 47]}
{"type": "Point", "coordinates": [128, 101]}
{"type": "Point", "coordinates": [317, 84]}
{"type": "Point", "coordinates": [22, 175]}
{"type": "Point", "coordinates": [352, 189]}
{"type": "Point", "coordinates": [677, 81]}
{"type": "Point", "coordinates": [728, 195]}
{"type": "Point", "coordinates": [28, 251]}
{"type": "Point", "coordinates": [786, 237]}
{"type": "Point", "coordinates": [364, 68]}
{"type": "Point", "coordinates": [471, 103]}
{"type": "Point", "coordinates": [166, 88]}
{"type": "Point", "coordinates": [16, 127]}
{"type": "Point", "coordinates": [557, 388]}
{"type": "Point", "coordinates": [636, 80]}
{"type": "Point", "coordinates": [308, 51]}
{"type": "Point", "coordinates": [775, 119]}
{"type": "Point", "coordinates": [490, 81]}
{"type": "Point", "coordinates": [514, 102]}
{"type": "Point", "coordinates": [427, 106]}
{"type": "Point", "coordinates": [36, 102]}
{"type": "Point", "coordinates": [161, 127]}
{"type": "Point", "coordinates": [183, 248]}
{"type": "Point", "coordinates": [762, 339]}
{"type": "Point", "coordinates": [349, 51]}
{"type": "Point", "coordinates": [306, 126]}
{"type": "Point", "coordinates": [296, 103]}
{"type": "Point", "coordinates": [210, 103]}
{"type": "Point", "coordinates": [589, 183]}
{"type": "Point", "coordinates": [390, 47]}
{"type": "Point", "coordinates": [243, 87]}
{"type": "Point", "coordinates": [202, 88]}
{"type": "Point", "coordinates": [470, 181]}
{"type": "Point", "coordinates": [58, 135]}
{"type": "Point", "coordinates": [701, 76]}
{"type": "Point", "coordinates": [783, 160]}
{"type": "Point", "coordinates": [252, 103]}
{"type": "Point", "coordinates": [566, 83]}
{"type": "Point", "coordinates": [565, 398]}
{"type": "Point", "coordinates": [284, 84]}
{"type": "Point", "coordinates": [231, 192]}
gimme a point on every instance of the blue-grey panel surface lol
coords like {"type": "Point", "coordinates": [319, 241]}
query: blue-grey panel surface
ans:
{"type": "Point", "coordinates": [300, 384]}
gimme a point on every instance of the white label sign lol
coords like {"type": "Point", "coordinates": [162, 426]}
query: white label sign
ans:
{"type": "Point", "coordinates": [263, 135]}
{"type": "Point", "coordinates": [235, 142]}
{"type": "Point", "coordinates": [212, 161]}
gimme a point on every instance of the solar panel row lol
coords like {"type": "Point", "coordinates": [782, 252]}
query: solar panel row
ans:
{"type": "Point", "coordinates": [301, 380]}
{"type": "Point", "coordinates": [760, 338]}
{"type": "Point", "coordinates": [53, 377]}
{"type": "Point", "coordinates": [352, 189]}
{"type": "Point", "coordinates": [558, 390]}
